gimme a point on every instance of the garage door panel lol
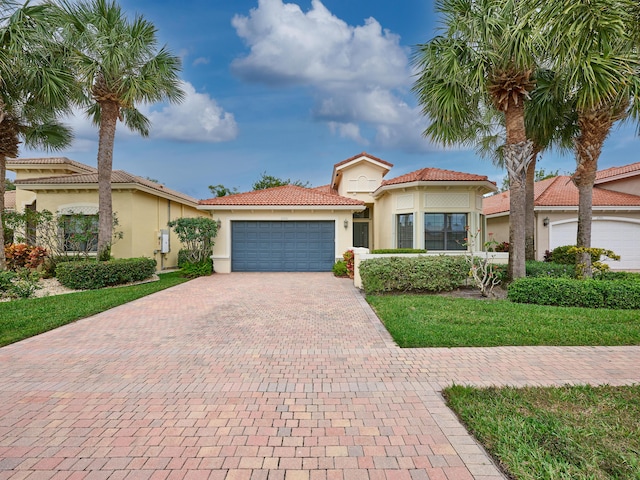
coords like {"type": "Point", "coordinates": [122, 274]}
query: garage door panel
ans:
{"type": "Point", "coordinates": [618, 236]}
{"type": "Point", "coordinates": [282, 246]}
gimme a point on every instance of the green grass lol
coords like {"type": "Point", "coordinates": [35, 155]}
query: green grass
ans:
{"type": "Point", "coordinates": [571, 432]}
{"type": "Point", "coordinates": [435, 321]}
{"type": "Point", "coordinates": [21, 319]}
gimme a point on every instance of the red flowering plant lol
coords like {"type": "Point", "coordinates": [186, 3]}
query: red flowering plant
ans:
{"type": "Point", "coordinates": [349, 257]}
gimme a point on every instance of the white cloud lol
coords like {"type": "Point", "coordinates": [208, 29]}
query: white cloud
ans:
{"type": "Point", "coordinates": [198, 118]}
{"type": "Point", "coordinates": [348, 130]}
{"type": "Point", "coordinates": [201, 61]}
{"type": "Point", "coordinates": [359, 74]}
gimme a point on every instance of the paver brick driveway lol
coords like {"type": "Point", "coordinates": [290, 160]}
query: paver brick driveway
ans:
{"type": "Point", "coordinates": [255, 376]}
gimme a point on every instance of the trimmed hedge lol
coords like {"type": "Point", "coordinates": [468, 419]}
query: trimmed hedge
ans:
{"type": "Point", "coordinates": [413, 274]}
{"type": "Point", "coordinates": [550, 269]}
{"type": "Point", "coordinates": [562, 255]}
{"type": "Point", "coordinates": [90, 275]}
{"type": "Point", "coordinates": [398, 250]}
{"type": "Point", "coordinates": [566, 292]}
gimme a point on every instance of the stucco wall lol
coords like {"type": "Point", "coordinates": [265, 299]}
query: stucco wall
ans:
{"type": "Point", "coordinates": [627, 185]}
{"type": "Point", "coordinates": [421, 200]}
{"type": "Point", "coordinates": [141, 216]}
{"type": "Point", "coordinates": [222, 247]}
{"type": "Point", "coordinates": [359, 180]}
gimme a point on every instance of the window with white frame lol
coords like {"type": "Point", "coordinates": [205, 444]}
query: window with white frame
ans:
{"type": "Point", "coordinates": [80, 232]}
{"type": "Point", "coordinates": [445, 231]}
{"type": "Point", "coordinates": [404, 230]}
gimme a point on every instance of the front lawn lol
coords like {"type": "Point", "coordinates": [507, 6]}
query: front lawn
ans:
{"type": "Point", "coordinates": [435, 321]}
{"type": "Point", "coordinates": [21, 319]}
{"type": "Point", "coordinates": [572, 432]}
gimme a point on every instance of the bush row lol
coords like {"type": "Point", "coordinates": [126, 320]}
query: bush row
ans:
{"type": "Point", "coordinates": [89, 275]}
{"type": "Point", "coordinates": [413, 274]}
{"type": "Point", "coordinates": [566, 292]}
{"type": "Point", "coordinates": [398, 250]}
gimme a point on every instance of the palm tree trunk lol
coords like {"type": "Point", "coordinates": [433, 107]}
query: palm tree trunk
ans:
{"type": "Point", "coordinates": [529, 218]}
{"type": "Point", "coordinates": [108, 118]}
{"type": "Point", "coordinates": [594, 128]}
{"type": "Point", "coordinates": [3, 175]}
{"type": "Point", "coordinates": [518, 152]}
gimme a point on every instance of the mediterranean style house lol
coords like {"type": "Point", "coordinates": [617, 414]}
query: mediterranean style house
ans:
{"type": "Point", "coordinates": [306, 229]}
{"type": "Point", "coordinates": [616, 214]}
{"type": "Point", "coordinates": [142, 207]}
{"type": "Point", "coordinates": [287, 228]}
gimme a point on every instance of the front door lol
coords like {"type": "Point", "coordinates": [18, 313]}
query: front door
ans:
{"type": "Point", "coordinates": [361, 234]}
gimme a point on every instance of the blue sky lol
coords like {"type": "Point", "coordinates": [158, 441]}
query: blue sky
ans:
{"type": "Point", "coordinates": [290, 89]}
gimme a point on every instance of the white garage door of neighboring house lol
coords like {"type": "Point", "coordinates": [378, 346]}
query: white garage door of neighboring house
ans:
{"type": "Point", "coordinates": [282, 246]}
{"type": "Point", "coordinates": [617, 235]}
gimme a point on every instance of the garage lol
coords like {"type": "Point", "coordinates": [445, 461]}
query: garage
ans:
{"type": "Point", "coordinates": [282, 246]}
{"type": "Point", "coordinates": [616, 234]}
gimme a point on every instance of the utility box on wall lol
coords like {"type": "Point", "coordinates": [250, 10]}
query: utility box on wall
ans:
{"type": "Point", "coordinates": [164, 241]}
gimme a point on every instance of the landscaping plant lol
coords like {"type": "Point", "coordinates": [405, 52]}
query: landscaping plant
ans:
{"type": "Point", "coordinates": [197, 235]}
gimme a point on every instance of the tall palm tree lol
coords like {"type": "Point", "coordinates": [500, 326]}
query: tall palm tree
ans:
{"type": "Point", "coordinates": [119, 66]}
{"type": "Point", "coordinates": [550, 124]}
{"type": "Point", "coordinates": [483, 59]}
{"type": "Point", "coordinates": [35, 87]}
{"type": "Point", "coordinates": [594, 43]}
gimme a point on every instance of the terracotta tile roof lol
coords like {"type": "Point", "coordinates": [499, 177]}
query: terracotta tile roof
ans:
{"type": "Point", "coordinates": [363, 154]}
{"type": "Point", "coordinates": [280, 196]}
{"type": "Point", "coordinates": [435, 175]}
{"type": "Point", "coordinates": [117, 177]}
{"type": "Point", "coordinates": [560, 192]}
{"type": "Point", "coordinates": [10, 200]}
{"type": "Point", "coordinates": [50, 161]}
{"type": "Point", "coordinates": [325, 189]}
{"type": "Point", "coordinates": [616, 171]}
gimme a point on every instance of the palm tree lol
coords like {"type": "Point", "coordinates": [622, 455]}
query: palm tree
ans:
{"type": "Point", "coordinates": [594, 44]}
{"type": "Point", "coordinates": [483, 59]}
{"type": "Point", "coordinates": [119, 66]}
{"type": "Point", "coordinates": [550, 124]}
{"type": "Point", "coordinates": [35, 87]}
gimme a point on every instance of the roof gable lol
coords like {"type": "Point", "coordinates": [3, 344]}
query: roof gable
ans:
{"type": "Point", "coordinates": [56, 163]}
{"type": "Point", "coordinates": [356, 159]}
{"type": "Point", "coordinates": [287, 195]}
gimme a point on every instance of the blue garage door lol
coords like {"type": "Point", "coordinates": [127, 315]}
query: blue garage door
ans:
{"type": "Point", "coordinates": [282, 246]}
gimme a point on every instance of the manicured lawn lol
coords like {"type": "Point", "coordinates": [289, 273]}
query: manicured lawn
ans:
{"type": "Point", "coordinates": [572, 432]}
{"type": "Point", "coordinates": [21, 319]}
{"type": "Point", "coordinates": [435, 321]}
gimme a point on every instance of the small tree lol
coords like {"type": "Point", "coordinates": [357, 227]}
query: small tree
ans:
{"type": "Point", "coordinates": [197, 235]}
{"type": "Point", "coordinates": [269, 181]}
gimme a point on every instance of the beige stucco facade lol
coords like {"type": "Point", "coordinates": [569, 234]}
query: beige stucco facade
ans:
{"type": "Point", "coordinates": [222, 247]}
{"type": "Point", "coordinates": [419, 199]}
{"type": "Point", "coordinates": [142, 209]}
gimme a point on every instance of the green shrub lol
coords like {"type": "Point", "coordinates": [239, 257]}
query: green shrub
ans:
{"type": "Point", "coordinates": [183, 257]}
{"type": "Point", "coordinates": [6, 278]}
{"type": "Point", "coordinates": [340, 269]}
{"type": "Point", "coordinates": [550, 269]}
{"type": "Point", "coordinates": [197, 269]}
{"type": "Point", "coordinates": [413, 274]}
{"type": "Point", "coordinates": [620, 276]}
{"type": "Point", "coordinates": [25, 284]}
{"type": "Point", "coordinates": [398, 250]}
{"type": "Point", "coordinates": [90, 275]}
{"type": "Point", "coordinates": [564, 255]}
{"type": "Point", "coordinates": [566, 292]}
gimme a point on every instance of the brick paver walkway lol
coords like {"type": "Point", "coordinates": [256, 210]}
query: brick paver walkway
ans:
{"type": "Point", "coordinates": [256, 376]}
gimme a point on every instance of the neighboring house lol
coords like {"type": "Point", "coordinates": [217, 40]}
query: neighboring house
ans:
{"type": "Point", "coordinates": [616, 214]}
{"type": "Point", "coordinates": [142, 207]}
{"type": "Point", "coordinates": [10, 200]}
{"type": "Point", "coordinates": [293, 228]}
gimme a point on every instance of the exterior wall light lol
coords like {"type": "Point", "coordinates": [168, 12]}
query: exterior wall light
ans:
{"type": "Point", "coordinates": [346, 223]}
{"type": "Point", "coordinates": [219, 223]}
{"type": "Point", "coordinates": [545, 221]}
